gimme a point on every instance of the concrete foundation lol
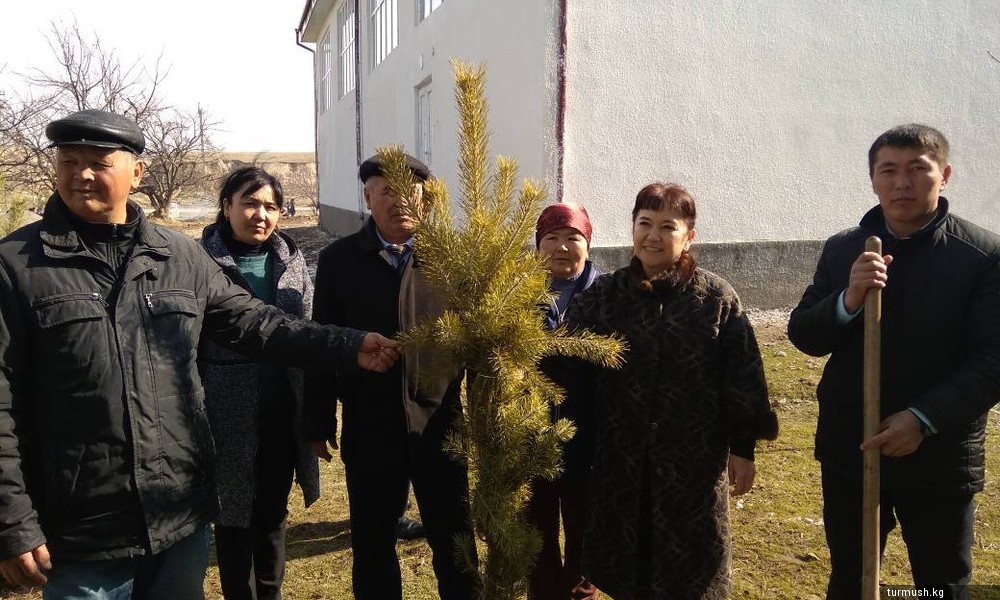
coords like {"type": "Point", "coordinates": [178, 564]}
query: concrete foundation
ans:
{"type": "Point", "coordinates": [339, 222]}
{"type": "Point", "coordinates": [765, 274]}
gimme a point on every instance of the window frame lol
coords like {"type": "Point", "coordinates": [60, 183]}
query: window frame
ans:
{"type": "Point", "coordinates": [345, 48]}
{"type": "Point", "coordinates": [426, 7]}
{"type": "Point", "coordinates": [383, 35]}
{"type": "Point", "coordinates": [325, 64]}
{"type": "Point", "coordinates": [423, 98]}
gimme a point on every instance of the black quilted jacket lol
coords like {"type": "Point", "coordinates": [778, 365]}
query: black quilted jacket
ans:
{"type": "Point", "coordinates": [940, 348]}
{"type": "Point", "coordinates": [105, 448]}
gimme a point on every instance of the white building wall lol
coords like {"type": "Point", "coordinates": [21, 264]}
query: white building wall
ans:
{"type": "Point", "coordinates": [512, 37]}
{"type": "Point", "coordinates": [335, 128]}
{"type": "Point", "coordinates": [765, 110]}
{"type": "Point", "coordinates": [336, 155]}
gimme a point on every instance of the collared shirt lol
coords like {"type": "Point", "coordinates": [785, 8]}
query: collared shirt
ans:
{"type": "Point", "coordinates": [395, 254]}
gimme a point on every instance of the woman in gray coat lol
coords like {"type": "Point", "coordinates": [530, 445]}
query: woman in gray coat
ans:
{"type": "Point", "coordinates": [255, 407]}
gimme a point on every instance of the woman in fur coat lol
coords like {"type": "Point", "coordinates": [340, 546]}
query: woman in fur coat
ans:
{"type": "Point", "coordinates": [676, 426]}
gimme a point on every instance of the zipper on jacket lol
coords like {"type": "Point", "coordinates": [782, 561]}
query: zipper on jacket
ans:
{"type": "Point", "coordinates": [64, 297]}
{"type": "Point", "coordinates": [149, 300]}
{"type": "Point", "coordinates": [127, 389]}
{"type": "Point", "coordinates": [107, 307]}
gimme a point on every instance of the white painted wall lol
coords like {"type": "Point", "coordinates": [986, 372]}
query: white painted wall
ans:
{"type": "Point", "coordinates": [765, 109]}
{"type": "Point", "coordinates": [336, 150]}
{"type": "Point", "coordinates": [512, 37]}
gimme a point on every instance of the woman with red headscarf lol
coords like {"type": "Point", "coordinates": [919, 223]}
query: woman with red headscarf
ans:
{"type": "Point", "coordinates": [677, 424]}
{"type": "Point", "coordinates": [562, 235]}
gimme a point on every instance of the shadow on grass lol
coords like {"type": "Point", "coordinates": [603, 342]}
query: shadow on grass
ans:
{"type": "Point", "coordinates": [304, 540]}
{"type": "Point", "coordinates": [313, 539]}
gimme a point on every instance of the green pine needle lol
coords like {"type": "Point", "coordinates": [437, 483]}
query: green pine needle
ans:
{"type": "Point", "coordinates": [495, 287]}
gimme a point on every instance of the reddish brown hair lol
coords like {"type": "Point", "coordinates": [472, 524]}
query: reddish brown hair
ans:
{"type": "Point", "coordinates": [670, 196]}
{"type": "Point", "coordinates": [658, 196]}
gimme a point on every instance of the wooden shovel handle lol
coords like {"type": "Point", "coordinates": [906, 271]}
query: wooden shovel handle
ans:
{"type": "Point", "coordinates": [872, 417]}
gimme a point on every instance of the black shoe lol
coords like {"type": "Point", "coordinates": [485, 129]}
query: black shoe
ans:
{"type": "Point", "coordinates": [408, 529]}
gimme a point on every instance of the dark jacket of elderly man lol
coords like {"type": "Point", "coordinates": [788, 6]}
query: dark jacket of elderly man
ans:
{"type": "Point", "coordinates": [106, 457]}
{"type": "Point", "coordinates": [395, 423]}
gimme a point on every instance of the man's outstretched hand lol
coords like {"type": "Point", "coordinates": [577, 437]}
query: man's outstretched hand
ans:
{"type": "Point", "coordinates": [377, 353]}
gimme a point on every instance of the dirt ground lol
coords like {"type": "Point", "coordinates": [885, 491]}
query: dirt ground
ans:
{"type": "Point", "coordinates": [303, 229]}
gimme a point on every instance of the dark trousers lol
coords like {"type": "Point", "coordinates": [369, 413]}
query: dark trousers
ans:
{"type": "Point", "coordinates": [937, 529]}
{"type": "Point", "coordinates": [252, 560]}
{"type": "Point", "coordinates": [378, 497]}
{"type": "Point", "coordinates": [553, 577]}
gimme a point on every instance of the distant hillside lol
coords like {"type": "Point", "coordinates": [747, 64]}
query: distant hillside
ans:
{"type": "Point", "coordinates": [269, 157]}
{"type": "Point", "coordinates": [295, 170]}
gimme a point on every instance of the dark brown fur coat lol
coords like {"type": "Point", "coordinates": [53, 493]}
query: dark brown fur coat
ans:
{"type": "Point", "coordinates": [692, 387]}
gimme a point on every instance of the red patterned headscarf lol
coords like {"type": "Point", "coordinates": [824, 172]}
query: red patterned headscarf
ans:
{"type": "Point", "coordinates": [563, 214]}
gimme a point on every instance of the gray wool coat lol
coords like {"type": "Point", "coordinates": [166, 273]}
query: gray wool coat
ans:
{"type": "Point", "coordinates": [232, 387]}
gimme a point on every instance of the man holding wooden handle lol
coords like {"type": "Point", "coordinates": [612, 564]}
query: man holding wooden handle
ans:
{"type": "Point", "coordinates": [940, 374]}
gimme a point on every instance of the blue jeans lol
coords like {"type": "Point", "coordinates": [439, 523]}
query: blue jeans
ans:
{"type": "Point", "coordinates": [176, 573]}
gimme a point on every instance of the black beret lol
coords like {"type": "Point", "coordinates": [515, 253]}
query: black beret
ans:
{"type": "Point", "coordinates": [96, 128]}
{"type": "Point", "coordinates": [373, 166]}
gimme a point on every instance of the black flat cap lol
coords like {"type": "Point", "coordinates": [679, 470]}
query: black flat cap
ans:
{"type": "Point", "coordinates": [96, 128]}
{"type": "Point", "coordinates": [373, 166]}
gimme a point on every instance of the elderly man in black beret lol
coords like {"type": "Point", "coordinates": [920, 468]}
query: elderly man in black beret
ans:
{"type": "Point", "coordinates": [394, 429]}
{"type": "Point", "coordinates": [106, 457]}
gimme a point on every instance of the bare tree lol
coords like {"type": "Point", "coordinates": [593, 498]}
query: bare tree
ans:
{"type": "Point", "coordinates": [92, 76]}
{"type": "Point", "coordinates": [24, 162]}
{"type": "Point", "coordinates": [261, 158]}
{"type": "Point", "coordinates": [300, 185]}
{"type": "Point", "coordinates": [180, 147]}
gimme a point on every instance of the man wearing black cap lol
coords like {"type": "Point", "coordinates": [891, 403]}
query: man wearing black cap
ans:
{"type": "Point", "coordinates": [106, 457]}
{"type": "Point", "coordinates": [394, 429]}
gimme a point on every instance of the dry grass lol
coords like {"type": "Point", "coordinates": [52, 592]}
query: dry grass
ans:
{"type": "Point", "coordinates": [778, 545]}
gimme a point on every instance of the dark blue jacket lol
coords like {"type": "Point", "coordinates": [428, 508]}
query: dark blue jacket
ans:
{"type": "Point", "coordinates": [577, 380]}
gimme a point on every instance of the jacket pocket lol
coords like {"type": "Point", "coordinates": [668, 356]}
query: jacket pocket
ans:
{"type": "Point", "coordinates": [171, 302]}
{"type": "Point", "coordinates": [73, 331]}
{"type": "Point", "coordinates": [172, 333]}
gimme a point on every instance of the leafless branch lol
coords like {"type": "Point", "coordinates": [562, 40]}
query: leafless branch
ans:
{"type": "Point", "coordinates": [89, 75]}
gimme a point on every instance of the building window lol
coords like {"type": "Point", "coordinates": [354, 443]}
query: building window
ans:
{"type": "Point", "coordinates": [427, 7]}
{"type": "Point", "coordinates": [424, 122]}
{"type": "Point", "coordinates": [384, 33]}
{"type": "Point", "coordinates": [345, 45]}
{"type": "Point", "coordinates": [325, 73]}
